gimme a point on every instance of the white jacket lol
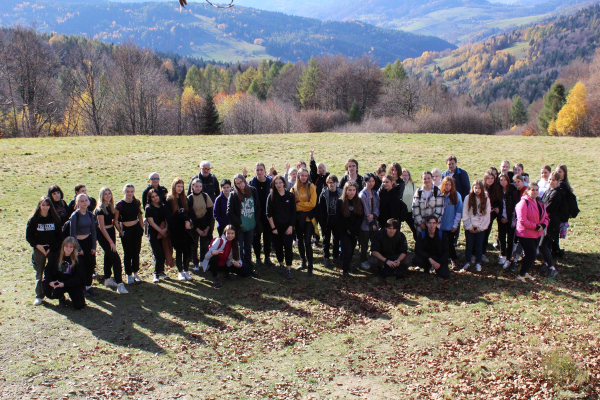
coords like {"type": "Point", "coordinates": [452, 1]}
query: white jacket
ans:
{"type": "Point", "coordinates": [218, 244]}
{"type": "Point", "coordinates": [476, 220]}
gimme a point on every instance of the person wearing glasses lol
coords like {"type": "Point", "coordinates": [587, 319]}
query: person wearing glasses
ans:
{"type": "Point", "coordinates": [210, 183]}
{"type": "Point", "coordinates": [154, 183]}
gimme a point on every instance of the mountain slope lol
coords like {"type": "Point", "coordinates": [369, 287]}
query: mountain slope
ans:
{"type": "Point", "coordinates": [238, 34]}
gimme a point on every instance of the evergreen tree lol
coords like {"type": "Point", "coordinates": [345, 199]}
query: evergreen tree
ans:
{"type": "Point", "coordinates": [209, 117]}
{"type": "Point", "coordinates": [517, 113]}
{"type": "Point", "coordinates": [258, 88]}
{"type": "Point", "coordinates": [554, 100]}
{"type": "Point", "coordinates": [308, 85]}
{"type": "Point", "coordinates": [354, 113]}
{"type": "Point", "coordinates": [394, 71]}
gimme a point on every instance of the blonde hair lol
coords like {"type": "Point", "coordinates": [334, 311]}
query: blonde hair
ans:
{"type": "Point", "coordinates": [111, 204]}
{"type": "Point", "coordinates": [299, 184]}
{"type": "Point", "coordinates": [73, 257]}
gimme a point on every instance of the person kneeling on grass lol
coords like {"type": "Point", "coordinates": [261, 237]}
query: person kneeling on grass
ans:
{"type": "Point", "coordinates": [432, 249]}
{"type": "Point", "coordinates": [65, 275]}
{"type": "Point", "coordinates": [388, 251]}
{"type": "Point", "coordinates": [224, 253]}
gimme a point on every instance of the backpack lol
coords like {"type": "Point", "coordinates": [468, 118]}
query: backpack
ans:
{"type": "Point", "coordinates": [571, 201]}
{"type": "Point", "coordinates": [66, 229]}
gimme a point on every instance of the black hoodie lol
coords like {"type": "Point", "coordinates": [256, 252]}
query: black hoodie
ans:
{"type": "Point", "coordinates": [391, 205]}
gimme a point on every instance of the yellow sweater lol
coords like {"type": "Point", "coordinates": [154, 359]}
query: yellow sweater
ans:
{"type": "Point", "coordinates": [302, 202]}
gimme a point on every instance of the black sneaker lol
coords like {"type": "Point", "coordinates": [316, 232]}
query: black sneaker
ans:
{"type": "Point", "coordinates": [216, 283]}
{"type": "Point", "coordinates": [513, 266]}
{"type": "Point", "coordinates": [281, 270]}
{"type": "Point", "coordinates": [346, 274]}
{"type": "Point", "coordinates": [269, 263]}
{"type": "Point", "coordinates": [62, 302]}
{"type": "Point", "coordinates": [258, 264]}
{"type": "Point", "coordinates": [288, 274]}
{"type": "Point", "coordinates": [86, 293]}
{"type": "Point", "coordinates": [302, 266]}
{"type": "Point", "coordinates": [326, 263]}
{"type": "Point", "coordinates": [309, 273]}
{"type": "Point", "coordinates": [92, 291]}
{"type": "Point", "coordinates": [227, 277]}
{"type": "Point", "coordinates": [254, 275]}
{"type": "Point", "coordinates": [552, 272]}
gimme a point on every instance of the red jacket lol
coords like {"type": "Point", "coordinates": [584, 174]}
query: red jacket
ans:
{"type": "Point", "coordinates": [528, 217]}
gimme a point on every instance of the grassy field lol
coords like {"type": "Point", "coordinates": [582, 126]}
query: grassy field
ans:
{"type": "Point", "coordinates": [475, 336]}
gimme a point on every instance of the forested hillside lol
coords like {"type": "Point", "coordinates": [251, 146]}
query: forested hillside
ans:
{"type": "Point", "coordinates": [237, 34]}
{"type": "Point", "coordinates": [525, 61]}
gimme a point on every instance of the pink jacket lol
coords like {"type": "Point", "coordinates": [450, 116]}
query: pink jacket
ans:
{"type": "Point", "coordinates": [528, 217]}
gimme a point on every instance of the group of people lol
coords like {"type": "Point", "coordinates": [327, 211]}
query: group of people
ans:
{"type": "Point", "coordinates": [304, 206]}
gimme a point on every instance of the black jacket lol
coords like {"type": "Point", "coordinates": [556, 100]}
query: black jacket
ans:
{"type": "Point", "coordinates": [436, 247]}
{"type": "Point", "coordinates": [282, 208]}
{"type": "Point", "coordinates": [324, 216]}
{"type": "Point", "coordinates": [557, 210]}
{"type": "Point", "coordinates": [176, 219]}
{"type": "Point", "coordinates": [234, 209]}
{"type": "Point", "coordinates": [359, 181]}
{"type": "Point", "coordinates": [389, 247]}
{"type": "Point", "coordinates": [352, 222]}
{"type": "Point", "coordinates": [210, 185]}
{"type": "Point", "coordinates": [511, 198]}
{"type": "Point", "coordinates": [319, 180]}
{"type": "Point", "coordinates": [55, 272]}
{"type": "Point", "coordinates": [162, 193]}
{"type": "Point", "coordinates": [391, 205]}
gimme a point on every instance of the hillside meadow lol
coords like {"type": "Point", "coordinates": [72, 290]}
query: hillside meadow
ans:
{"type": "Point", "coordinates": [478, 335]}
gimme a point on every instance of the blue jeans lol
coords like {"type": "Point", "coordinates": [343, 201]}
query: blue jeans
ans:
{"type": "Point", "coordinates": [474, 243]}
{"type": "Point", "coordinates": [245, 240]}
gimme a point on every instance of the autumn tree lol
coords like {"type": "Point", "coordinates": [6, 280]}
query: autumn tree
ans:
{"type": "Point", "coordinates": [571, 117]}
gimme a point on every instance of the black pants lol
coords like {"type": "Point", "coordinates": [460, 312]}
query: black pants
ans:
{"type": "Point", "coordinates": [213, 265]}
{"type": "Point", "coordinates": [132, 245]}
{"type": "Point", "coordinates": [546, 250]}
{"type": "Point", "coordinates": [221, 229]}
{"type": "Point", "coordinates": [328, 232]}
{"type": "Point", "coordinates": [529, 246]}
{"type": "Point", "coordinates": [385, 270]}
{"type": "Point", "coordinates": [266, 236]}
{"type": "Point", "coordinates": [159, 256]}
{"type": "Point", "coordinates": [488, 231]}
{"type": "Point", "coordinates": [182, 246]}
{"type": "Point", "coordinates": [74, 292]}
{"type": "Point", "coordinates": [410, 221]}
{"type": "Point", "coordinates": [88, 260]}
{"type": "Point", "coordinates": [349, 242]}
{"type": "Point", "coordinates": [112, 261]}
{"type": "Point", "coordinates": [452, 236]}
{"type": "Point", "coordinates": [304, 232]}
{"type": "Point", "coordinates": [443, 271]}
{"type": "Point", "coordinates": [364, 238]}
{"type": "Point", "coordinates": [506, 235]}
{"type": "Point", "coordinates": [283, 245]}
{"type": "Point", "coordinates": [204, 242]}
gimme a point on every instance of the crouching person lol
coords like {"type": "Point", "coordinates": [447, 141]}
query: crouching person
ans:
{"type": "Point", "coordinates": [65, 275]}
{"type": "Point", "coordinates": [432, 249]}
{"type": "Point", "coordinates": [224, 253]}
{"type": "Point", "coordinates": [388, 251]}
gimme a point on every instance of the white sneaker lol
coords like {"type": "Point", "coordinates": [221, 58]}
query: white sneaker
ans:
{"type": "Point", "coordinates": [466, 267]}
{"type": "Point", "coordinates": [188, 277]}
{"type": "Point", "coordinates": [472, 259]}
{"type": "Point", "coordinates": [121, 288]}
{"type": "Point", "coordinates": [195, 268]}
{"type": "Point", "coordinates": [484, 259]}
{"type": "Point", "coordinates": [365, 265]}
{"type": "Point", "coordinates": [182, 276]}
{"type": "Point", "coordinates": [137, 278]}
{"type": "Point", "coordinates": [501, 260]}
{"type": "Point", "coordinates": [478, 267]}
{"type": "Point", "coordinates": [527, 276]}
{"type": "Point", "coordinates": [506, 264]}
{"type": "Point", "coordinates": [38, 301]}
{"type": "Point", "coordinates": [130, 280]}
{"type": "Point", "coordinates": [110, 282]}
{"type": "Point", "coordinates": [156, 279]}
{"type": "Point", "coordinates": [521, 279]}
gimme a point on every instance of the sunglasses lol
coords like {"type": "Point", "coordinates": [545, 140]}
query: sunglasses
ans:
{"type": "Point", "coordinates": [155, 179]}
{"type": "Point", "coordinates": [206, 169]}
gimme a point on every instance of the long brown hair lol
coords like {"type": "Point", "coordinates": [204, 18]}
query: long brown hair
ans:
{"type": "Point", "coordinates": [242, 195]}
{"type": "Point", "coordinates": [235, 247]}
{"type": "Point", "coordinates": [51, 212]}
{"type": "Point", "coordinates": [356, 203]}
{"type": "Point", "coordinates": [473, 198]}
{"type": "Point", "coordinates": [494, 190]}
{"type": "Point", "coordinates": [398, 169]}
{"type": "Point", "coordinates": [73, 257]}
{"type": "Point", "coordinates": [173, 197]}
{"type": "Point", "coordinates": [452, 195]}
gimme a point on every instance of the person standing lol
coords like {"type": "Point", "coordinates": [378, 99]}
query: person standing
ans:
{"type": "Point", "coordinates": [506, 220]}
{"type": "Point", "coordinates": [83, 229]}
{"type": "Point", "coordinates": [352, 174]}
{"type": "Point", "coordinates": [130, 224]}
{"type": "Point", "coordinates": [220, 206]}
{"type": "Point", "coordinates": [203, 222]}
{"type": "Point", "coordinates": [329, 219]}
{"type": "Point", "coordinates": [494, 191]}
{"type": "Point", "coordinates": [156, 215]}
{"type": "Point", "coordinates": [391, 205]}
{"type": "Point", "coordinates": [428, 200]}
{"type": "Point", "coordinates": [476, 217]}
{"type": "Point", "coordinates": [352, 217]}
{"type": "Point", "coordinates": [305, 196]}
{"type": "Point", "coordinates": [80, 189]}
{"type": "Point", "coordinates": [60, 205]}
{"type": "Point", "coordinates": [44, 234]}
{"type": "Point", "coordinates": [451, 217]}
{"type": "Point", "coordinates": [106, 234]}
{"type": "Point", "coordinates": [281, 216]}
{"type": "Point", "coordinates": [461, 177]}
{"type": "Point", "coordinates": [210, 183]}
{"type": "Point", "coordinates": [407, 199]}
{"type": "Point", "coordinates": [556, 208]}
{"type": "Point", "coordinates": [543, 183]}
{"type": "Point", "coordinates": [369, 227]}
{"type": "Point", "coordinates": [179, 220]}
{"type": "Point", "coordinates": [262, 183]}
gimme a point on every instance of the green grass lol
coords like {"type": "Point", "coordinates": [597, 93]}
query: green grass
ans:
{"type": "Point", "coordinates": [475, 336]}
